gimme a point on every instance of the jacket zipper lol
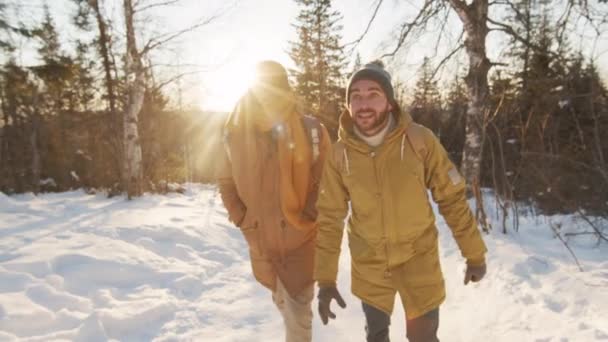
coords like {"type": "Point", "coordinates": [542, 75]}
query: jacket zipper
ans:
{"type": "Point", "coordinates": [387, 273]}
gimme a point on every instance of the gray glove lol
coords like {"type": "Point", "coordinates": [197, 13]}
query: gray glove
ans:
{"type": "Point", "coordinates": [474, 273]}
{"type": "Point", "coordinates": [326, 294]}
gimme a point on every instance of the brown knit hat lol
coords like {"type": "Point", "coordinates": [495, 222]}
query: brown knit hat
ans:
{"type": "Point", "coordinates": [271, 73]}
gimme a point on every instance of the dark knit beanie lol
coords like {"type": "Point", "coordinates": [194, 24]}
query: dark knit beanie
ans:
{"type": "Point", "coordinates": [373, 71]}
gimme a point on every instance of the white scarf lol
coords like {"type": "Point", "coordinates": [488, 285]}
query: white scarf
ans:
{"type": "Point", "coordinates": [377, 139]}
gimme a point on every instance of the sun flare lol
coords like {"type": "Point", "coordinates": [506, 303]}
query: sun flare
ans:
{"type": "Point", "coordinates": [226, 85]}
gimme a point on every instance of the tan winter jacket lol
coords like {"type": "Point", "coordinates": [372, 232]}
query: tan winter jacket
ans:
{"type": "Point", "coordinates": [249, 184]}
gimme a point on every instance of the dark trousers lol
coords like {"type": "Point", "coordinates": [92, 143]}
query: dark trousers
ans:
{"type": "Point", "coordinates": [419, 329]}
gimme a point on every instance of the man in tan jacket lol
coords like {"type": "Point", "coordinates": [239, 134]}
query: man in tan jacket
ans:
{"type": "Point", "coordinates": [269, 182]}
{"type": "Point", "coordinates": [383, 164]}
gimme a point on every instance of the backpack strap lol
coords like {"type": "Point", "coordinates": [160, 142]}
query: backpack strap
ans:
{"type": "Point", "coordinates": [341, 157]}
{"type": "Point", "coordinates": [225, 141]}
{"type": "Point", "coordinates": [313, 128]}
{"type": "Point", "coordinates": [415, 136]}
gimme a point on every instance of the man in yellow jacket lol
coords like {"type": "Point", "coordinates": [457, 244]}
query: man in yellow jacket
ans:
{"type": "Point", "coordinates": [382, 165]}
{"type": "Point", "coordinates": [269, 183]}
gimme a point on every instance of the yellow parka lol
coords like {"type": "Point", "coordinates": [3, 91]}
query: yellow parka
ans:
{"type": "Point", "coordinates": [391, 226]}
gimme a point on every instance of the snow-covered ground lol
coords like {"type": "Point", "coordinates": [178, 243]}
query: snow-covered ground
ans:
{"type": "Point", "coordinates": [84, 267]}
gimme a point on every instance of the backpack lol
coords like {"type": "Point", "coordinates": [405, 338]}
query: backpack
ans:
{"type": "Point", "coordinates": [415, 137]}
{"type": "Point", "coordinates": [314, 133]}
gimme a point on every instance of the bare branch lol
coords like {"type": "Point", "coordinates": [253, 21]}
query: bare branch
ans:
{"type": "Point", "coordinates": [597, 230]}
{"type": "Point", "coordinates": [176, 78]}
{"type": "Point", "coordinates": [153, 5]}
{"type": "Point", "coordinates": [497, 2]}
{"type": "Point", "coordinates": [511, 32]}
{"type": "Point", "coordinates": [563, 19]}
{"type": "Point", "coordinates": [499, 64]}
{"type": "Point", "coordinates": [461, 9]}
{"type": "Point", "coordinates": [167, 37]}
{"type": "Point", "coordinates": [582, 233]}
{"type": "Point", "coordinates": [441, 34]}
{"type": "Point", "coordinates": [601, 172]}
{"type": "Point", "coordinates": [426, 13]}
{"type": "Point", "coordinates": [447, 58]}
{"type": "Point", "coordinates": [555, 229]}
{"type": "Point", "coordinates": [171, 65]}
{"type": "Point", "coordinates": [369, 24]}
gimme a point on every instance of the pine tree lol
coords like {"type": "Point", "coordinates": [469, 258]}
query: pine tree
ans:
{"type": "Point", "coordinates": [453, 127]}
{"type": "Point", "coordinates": [581, 123]}
{"type": "Point", "coordinates": [426, 106]}
{"type": "Point", "coordinates": [16, 99]}
{"type": "Point", "coordinates": [56, 100]}
{"type": "Point", "coordinates": [5, 29]}
{"type": "Point", "coordinates": [89, 17]}
{"type": "Point", "coordinates": [87, 11]}
{"type": "Point", "coordinates": [84, 81]}
{"type": "Point", "coordinates": [356, 64]}
{"type": "Point", "coordinates": [320, 61]}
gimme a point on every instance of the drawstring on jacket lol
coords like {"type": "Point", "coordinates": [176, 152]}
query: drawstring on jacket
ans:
{"type": "Point", "coordinates": [346, 162]}
{"type": "Point", "coordinates": [402, 145]}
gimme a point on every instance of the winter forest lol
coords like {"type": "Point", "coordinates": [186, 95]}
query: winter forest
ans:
{"type": "Point", "coordinates": [107, 138]}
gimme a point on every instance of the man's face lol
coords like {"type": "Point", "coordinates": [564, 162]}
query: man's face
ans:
{"type": "Point", "coordinates": [368, 106]}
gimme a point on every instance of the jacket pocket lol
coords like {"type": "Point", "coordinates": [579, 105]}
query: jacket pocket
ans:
{"type": "Point", "coordinates": [427, 241]}
{"type": "Point", "coordinates": [423, 269]}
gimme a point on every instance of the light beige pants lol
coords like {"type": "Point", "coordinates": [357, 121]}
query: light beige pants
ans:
{"type": "Point", "coordinates": [296, 312]}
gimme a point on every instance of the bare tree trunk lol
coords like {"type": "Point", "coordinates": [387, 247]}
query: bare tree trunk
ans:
{"type": "Point", "coordinates": [34, 137]}
{"type": "Point", "coordinates": [104, 40]}
{"type": "Point", "coordinates": [109, 66]}
{"type": "Point", "coordinates": [135, 97]}
{"type": "Point", "coordinates": [2, 162]}
{"type": "Point", "coordinates": [600, 160]}
{"type": "Point", "coordinates": [11, 144]}
{"type": "Point", "coordinates": [3, 142]}
{"type": "Point", "coordinates": [19, 152]}
{"type": "Point", "coordinates": [474, 18]}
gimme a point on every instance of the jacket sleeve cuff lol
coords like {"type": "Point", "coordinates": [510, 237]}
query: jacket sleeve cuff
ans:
{"type": "Point", "coordinates": [478, 261]}
{"type": "Point", "coordinates": [326, 283]}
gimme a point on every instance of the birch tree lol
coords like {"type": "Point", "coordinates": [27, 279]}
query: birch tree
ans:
{"type": "Point", "coordinates": [135, 88]}
{"type": "Point", "coordinates": [476, 23]}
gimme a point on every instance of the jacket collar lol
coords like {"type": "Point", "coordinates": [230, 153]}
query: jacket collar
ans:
{"type": "Point", "coordinates": [346, 133]}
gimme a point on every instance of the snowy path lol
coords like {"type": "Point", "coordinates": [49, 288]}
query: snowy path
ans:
{"type": "Point", "coordinates": [80, 267]}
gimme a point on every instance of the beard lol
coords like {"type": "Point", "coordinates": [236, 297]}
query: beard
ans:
{"type": "Point", "coordinates": [369, 121]}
